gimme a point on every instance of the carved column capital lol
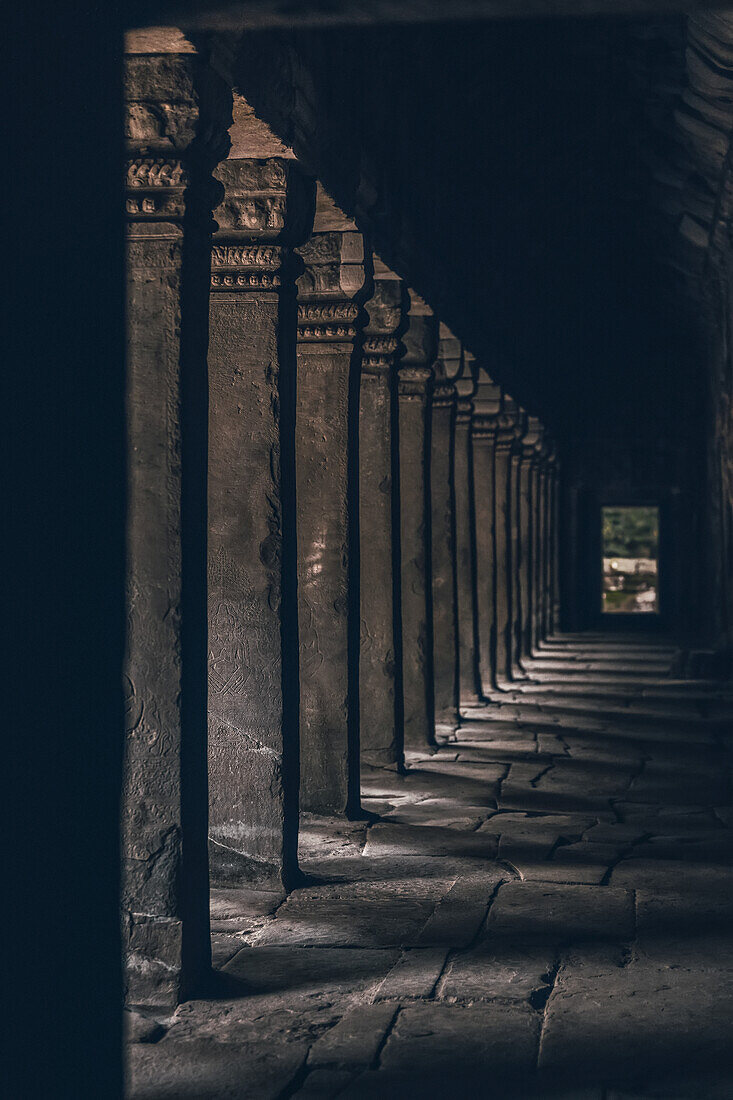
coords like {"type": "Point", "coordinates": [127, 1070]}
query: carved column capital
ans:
{"type": "Point", "coordinates": [447, 368]}
{"type": "Point", "coordinates": [466, 387]}
{"type": "Point", "coordinates": [386, 311]}
{"type": "Point", "coordinates": [510, 426]}
{"type": "Point", "coordinates": [267, 207]}
{"type": "Point", "coordinates": [177, 114]}
{"type": "Point", "coordinates": [333, 283]}
{"type": "Point", "coordinates": [487, 407]}
{"type": "Point", "coordinates": [421, 344]}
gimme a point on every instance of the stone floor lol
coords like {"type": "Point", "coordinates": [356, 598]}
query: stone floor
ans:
{"type": "Point", "coordinates": [542, 908]}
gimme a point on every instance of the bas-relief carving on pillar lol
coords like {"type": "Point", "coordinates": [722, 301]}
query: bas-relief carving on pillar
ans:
{"type": "Point", "coordinates": [176, 116]}
{"type": "Point", "coordinates": [469, 681]}
{"type": "Point", "coordinates": [380, 650]}
{"type": "Point", "coordinates": [267, 208]}
{"type": "Point", "coordinates": [484, 427]}
{"type": "Point", "coordinates": [414, 379]}
{"type": "Point", "coordinates": [334, 282]}
{"type": "Point", "coordinates": [443, 531]}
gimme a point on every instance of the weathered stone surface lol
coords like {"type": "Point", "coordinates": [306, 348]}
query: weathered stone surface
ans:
{"type": "Point", "coordinates": [554, 913]}
{"type": "Point", "coordinates": [489, 1042]}
{"type": "Point", "coordinates": [415, 374]}
{"type": "Point", "coordinates": [497, 971]}
{"type": "Point", "coordinates": [218, 1071]}
{"type": "Point", "coordinates": [176, 114]}
{"type": "Point", "coordinates": [469, 676]}
{"type": "Point", "coordinates": [459, 915]}
{"type": "Point", "coordinates": [612, 1008]}
{"type": "Point", "coordinates": [266, 970]}
{"type": "Point", "coordinates": [414, 975]}
{"type": "Point", "coordinates": [253, 725]}
{"type": "Point", "coordinates": [487, 403]}
{"type": "Point", "coordinates": [380, 648]}
{"type": "Point", "coordinates": [443, 530]}
{"type": "Point", "coordinates": [391, 840]}
{"type": "Point", "coordinates": [356, 1038]}
{"type": "Point", "coordinates": [330, 289]}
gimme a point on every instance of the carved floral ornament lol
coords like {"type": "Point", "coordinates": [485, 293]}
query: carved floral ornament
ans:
{"type": "Point", "coordinates": [245, 267]}
{"type": "Point", "coordinates": [327, 320]}
{"type": "Point", "coordinates": [379, 352]}
{"type": "Point", "coordinates": [155, 187]}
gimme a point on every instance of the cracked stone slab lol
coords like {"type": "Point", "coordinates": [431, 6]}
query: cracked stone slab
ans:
{"type": "Point", "coordinates": [559, 913]}
{"type": "Point", "coordinates": [378, 921]}
{"type": "Point", "coordinates": [490, 1042]}
{"type": "Point", "coordinates": [204, 1068]}
{"type": "Point", "coordinates": [414, 975]}
{"type": "Point", "coordinates": [612, 1010]}
{"type": "Point", "coordinates": [669, 876]}
{"type": "Point", "coordinates": [459, 915]}
{"type": "Point", "coordinates": [356, 1038]}
{"type": "Point", "coordinates": [326, 971]}
{"type": "Point", "coordinates": [497, 971]}
{"type": "Point", "coordinates": [387, 840]}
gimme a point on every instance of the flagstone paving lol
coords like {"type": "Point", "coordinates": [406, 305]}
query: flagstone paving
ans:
{"type": "Point", "coordinates": [541, 908]}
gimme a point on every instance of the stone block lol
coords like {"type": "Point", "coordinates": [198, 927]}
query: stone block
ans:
{"type": "Point", "coordinates": [356, 1039]}
{"type": "Point", "coordinates": [559, 913]}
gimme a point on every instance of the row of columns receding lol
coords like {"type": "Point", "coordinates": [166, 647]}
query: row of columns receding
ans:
{"type": "Point", "coordinates": [341, 529]}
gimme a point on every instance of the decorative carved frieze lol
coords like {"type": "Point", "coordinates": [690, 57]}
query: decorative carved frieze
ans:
{"type": "Point", "coordinates": [327, 321]}
{"type": "Point", "coordinates": [246, 267]}
{"type": "Point", "coordinates": [378, 354]}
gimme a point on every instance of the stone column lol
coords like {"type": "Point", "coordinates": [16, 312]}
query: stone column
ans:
{"type": "Point", "coordinates": [527, 521]}
{"type": "Point", "coordinates": [486, 407]}
{"type": "Point", "coordinates": [330, 320]}
{"type": "Point", "coordinates": [504, 449]}
{"type": "Point", "coordinates": [380, 652]}
{"type": "Point", "coordinates": [469, 683]}
{"type": "Point", "coordinates": [414, 378]}
{"type": "Point", "coordinates": [515, 526]}
{"type": "Point", "coordinates": [443, 532]}
{"type": "Point", "coordinates": [547, 542]}
{"type": "Point", "coordinates": [535, 502]}
{"type": "Point", "coordinates": [541, 542]}
{"type": "Point", "coordinates": [177, 114]}
{"type": "Point", "coordinates": [253, 654]}
{"type": "Point", "coordinates": [555, 548]}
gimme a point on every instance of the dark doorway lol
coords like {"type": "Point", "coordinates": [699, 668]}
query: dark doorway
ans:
{"type": "Point", "coordinates": [630, 548]}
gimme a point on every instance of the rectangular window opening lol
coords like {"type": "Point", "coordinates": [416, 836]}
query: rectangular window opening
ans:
{"type": "Point", "coordinates": [630, 560]}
